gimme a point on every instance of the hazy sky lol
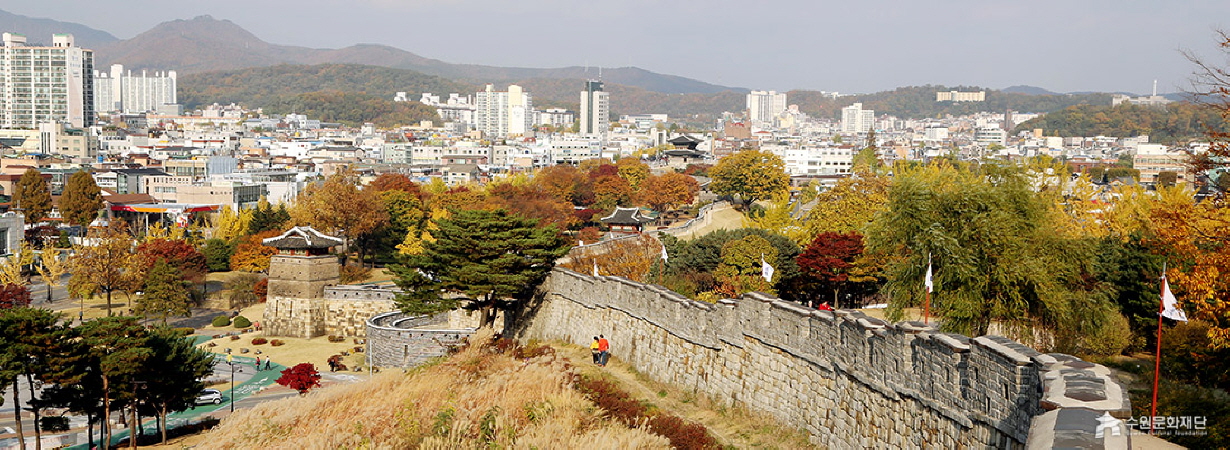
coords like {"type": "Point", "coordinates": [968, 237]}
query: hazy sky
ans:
{"type": "Point", "coordinates": [848, 46]}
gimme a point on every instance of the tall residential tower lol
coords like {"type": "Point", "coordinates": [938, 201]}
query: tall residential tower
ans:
{"type": "Point", "coordinates": [41, 84]}
{"type": "Point", "coordinates": [131, 93]}
{"type": "Point", "coordinates": [595, 110]}
{"type": "Point", "coordinates": [764, 106]}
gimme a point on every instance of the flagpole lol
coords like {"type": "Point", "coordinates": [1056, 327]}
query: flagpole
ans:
{"type": "Point", "coordinates": [1157, 358]}
{"type": "Point", "coordinates": [927, 302]}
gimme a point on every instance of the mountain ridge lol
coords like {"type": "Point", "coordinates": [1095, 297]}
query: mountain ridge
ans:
{"type": "Point", "coordinates": [39, 30]}
{"type": "Point", "coordinates": [206, 44]}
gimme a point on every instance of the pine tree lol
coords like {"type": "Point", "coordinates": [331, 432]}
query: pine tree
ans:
{"type": "Point", "coordinates": [81, 200]}
{"type": "Point", "coordinates": [495, 258]}
{"type": "Point", "coordinates": [32, 196]}
{"type": "Point", "coordinates": [166, 293]}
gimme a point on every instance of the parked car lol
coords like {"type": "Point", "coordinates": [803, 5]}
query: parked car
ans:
{"type": "Point", "coordinates": [209, 396]}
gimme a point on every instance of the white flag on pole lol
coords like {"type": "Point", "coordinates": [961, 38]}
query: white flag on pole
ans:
{"type": "Point", "coordinates": [927, 281]}
{"type": "Point", "coordinates": [664, 256]}
{"type": "Point", "coordinates": [766, 270]}
{"type": "Point", "coordinates": [595, 267]}
{"type": "Point", "coordinates": [1170, 309]}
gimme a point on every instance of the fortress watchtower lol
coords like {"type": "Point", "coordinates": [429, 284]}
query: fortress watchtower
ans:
{"type": "Point", "coordinates": [298, 275]}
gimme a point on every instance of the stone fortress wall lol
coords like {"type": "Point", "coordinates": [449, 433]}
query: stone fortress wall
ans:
{"type": "Point", "coordinates": [397, 340]}
{"type": "Point", "coordinates": [849, 380]}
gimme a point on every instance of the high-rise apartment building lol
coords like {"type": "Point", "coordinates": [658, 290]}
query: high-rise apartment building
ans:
{"type": "Point", "coordinates": [40, 84]}
{"type": "Point", "coordinates": [595, 110]}
{"type": "Point", "coordinates": [855, 119]}
{"type": "Point", "coordinates": [117, 91]}
{"type": "Point", "coordinates": [503, 114]}
{"type": "Point", "coordinates": [764, 106]}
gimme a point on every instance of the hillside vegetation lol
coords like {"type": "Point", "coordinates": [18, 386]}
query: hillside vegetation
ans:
{"type": "Point", "coordinates": [261, 86]}
{"type": "Point", "coordinates": [278, 85]}
{"type": "Point", "coordinates": [918, 102]}
{"type": "Point", "coordinates": [1170, 124]}
{"type": "Point", "coordinates": [493, 396]}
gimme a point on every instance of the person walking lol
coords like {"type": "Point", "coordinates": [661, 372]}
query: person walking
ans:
{"type": "Point", "coordinates": [593, 350]}
{"type": "Point", "coordinates": [266, 363]}
{"type": "Point", "coordinates": [258, 364]}
{"type": "Point", "coordinates": [604, 350]}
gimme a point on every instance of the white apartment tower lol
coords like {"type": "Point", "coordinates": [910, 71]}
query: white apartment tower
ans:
{"type": "Point", "coordinates": [503, 114]}
{"type": "Point", "coordinates": [763, 107]}
{"type": "Point", "coordinates": [130, 93]}
{"type": "Point", "coordinates": [40, 84]}
{"type": "Point", "coordinates": [855, 119]}
{"type": "Point", "coordinates": [595, 110]}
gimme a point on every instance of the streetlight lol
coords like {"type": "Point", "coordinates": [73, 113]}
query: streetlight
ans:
{"type": "Point", "coordinates": [230, 360]}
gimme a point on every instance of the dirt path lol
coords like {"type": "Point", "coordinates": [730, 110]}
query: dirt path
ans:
{"type": "Point", "coordinates": [723, 219]}
{"type": "Point", "coordinates": [735, 427]}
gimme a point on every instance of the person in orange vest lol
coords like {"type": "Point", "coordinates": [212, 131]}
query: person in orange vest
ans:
{"type": "Point", "coordinates": [604, 350]}
{"type": "Point", "coordinates": [593, 349]}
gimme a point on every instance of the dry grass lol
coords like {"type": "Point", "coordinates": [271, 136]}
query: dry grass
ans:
{"type": "Point", "coordinates": [733, 426]}
{"type": "Point", "coordinates": [723, 219]}
{"type": "Point", "coordinates": [474, 399]}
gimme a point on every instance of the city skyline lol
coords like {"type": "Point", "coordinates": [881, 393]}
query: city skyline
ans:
{"type": "Point", "coordinates": [1060, 46]}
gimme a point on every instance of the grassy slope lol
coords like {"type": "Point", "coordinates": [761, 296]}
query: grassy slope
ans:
{"type": "Point", "coordinates": [477, 399]}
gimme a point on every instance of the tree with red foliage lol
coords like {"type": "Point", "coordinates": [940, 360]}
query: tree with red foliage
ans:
{"type": "Point", "coordinates": [830, 261]}
{"type": "Point", "coordinates": [302, 377]}
{"type": "Point", "coordinates": [261, 289]}
{"type": "Point", "coordinates": [178, 253]}
{"type": "Point", "coordinates": [535, 202]}
{"type": "Point", "coordinates": [14, 296]}
{"type": "Point", "coordinates": [395, 182]}
{"type": "Point", "coordinates": [605, 170]}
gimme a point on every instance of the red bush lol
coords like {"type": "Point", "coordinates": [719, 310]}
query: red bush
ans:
{"type": "Point", "coordinates": [682, 434]}
{"type": "Point", "coordinates": [617, 403]}
{"type": "Point", "coordinates": [259, 341]}
{"type": "Point", "coordinates": [303, 377]}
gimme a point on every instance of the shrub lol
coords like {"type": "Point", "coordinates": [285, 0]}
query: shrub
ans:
{"type": "Point", "coordinates": [276, 343]}
{"type": "Point", "coordinates": [354, 274]}
{"type": "Point", "coordinates": [242, 322]}
{"type": "Point", "coordinates": [221, 321]}
{"type": "Point", "coordinates": [337, 339]}
{"type": "Point", "coordinates": [259, 341]}
{"type": "Point", "coordinates": [682, 434]}
{"type": "Point", "coordinates": [234, 338]}
{"type": "Point", "coordinates": [185, 331]}
{"type": "Point", "coordinates": [54, 423]}
{"type": "Point", "coordinates": [617, 403]}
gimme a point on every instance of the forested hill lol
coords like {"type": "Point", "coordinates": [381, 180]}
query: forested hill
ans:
{"type": "Point", "coordinates": [350, 94]}
{"type": "Point", "coordinates": [265, 87]}
{"type": "Point", "coordinates": [259, 86]}
{"type": "Point", "coordinates": [918, 102]}
{"type": "Point", "coordinates": [1170, 124]}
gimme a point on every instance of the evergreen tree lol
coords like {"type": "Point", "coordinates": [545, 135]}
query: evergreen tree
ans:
{"type": "Point", "coordinates": [32, 196]}
{"type": "Point", "coordinates": [28, 338]}
{"type": "Point", "coordinates": [116, 349]}
{"type": "Point", "coordinates": [81, 200]}
{"type": "Point", "coordinates": [494, 258]}
{"type": "Point", "coordinates": [218, 254]}
{"type": "Point", "coordinates": [166, 293]}
{"type": "Point", "coordinates": [173, 374]}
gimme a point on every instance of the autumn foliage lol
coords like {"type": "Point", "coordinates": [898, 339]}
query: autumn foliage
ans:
{"type": "Point", "coordinates": [302, 377]}
{"type": "Point", "coordinates": [14, 296]}
{"type": "Point", "coordinates": [253, 256]}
